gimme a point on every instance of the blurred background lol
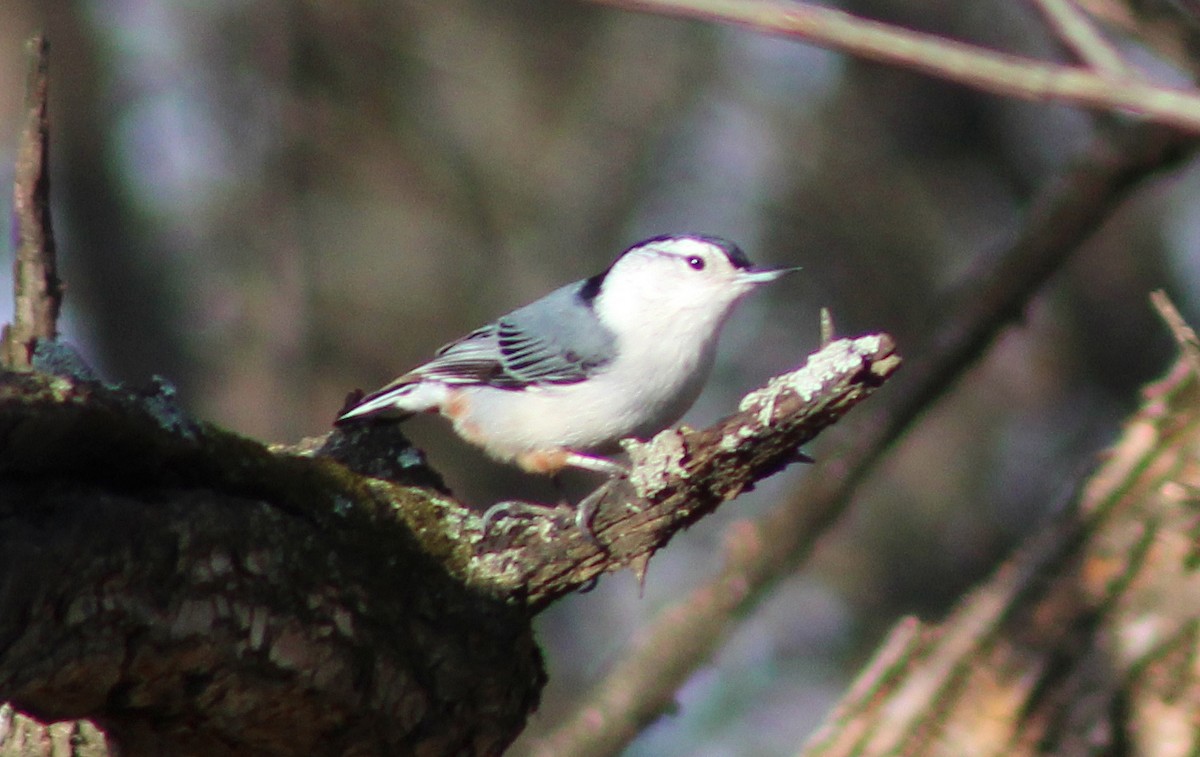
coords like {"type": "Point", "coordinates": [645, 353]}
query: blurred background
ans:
{"type": "Point", "coordinates": [272, 203]}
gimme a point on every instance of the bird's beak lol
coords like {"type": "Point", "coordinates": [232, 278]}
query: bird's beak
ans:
{"type": "Point", "coordinates": [763, 275]}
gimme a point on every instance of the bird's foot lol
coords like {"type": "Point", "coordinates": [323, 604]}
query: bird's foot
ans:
{"type": "Point", "coordinates": [562, 514]}
{"type": "Point", "coordinates": [515, 508]}
{"type": "Point", "coordinates": [583, 512]}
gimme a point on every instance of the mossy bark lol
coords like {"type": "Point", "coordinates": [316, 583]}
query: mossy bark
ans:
{"type": "Point", "coordinates": [194, 592]}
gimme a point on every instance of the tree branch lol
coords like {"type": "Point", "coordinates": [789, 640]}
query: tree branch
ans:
{"type": "Point", "coordinates": [1078, 644]}
{"type": "Point", "coordinates": [1078, 32]}
{"type": "Point", "coordinates": [682, 475]}
{"type": "Point", "coordinates": [1185, 335]}
{"type": "Point", "coordinates": [196, 594]}
{"type": "Point", "coordinates": [38, 292]}
{"type": "Point", "coordinates": [346, 611]}
{"type": "Point", "coordinates": [1170, 28]}
{"type": "Point", "coordinates": [970, 65]}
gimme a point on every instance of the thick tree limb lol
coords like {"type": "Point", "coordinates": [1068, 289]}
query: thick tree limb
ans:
{"type": "Point", "coordinates": [1083, 643]}
{"type": "Point", "coordinates": [193, 592]}
{"type": "Point", "coordinates": [38, 290]}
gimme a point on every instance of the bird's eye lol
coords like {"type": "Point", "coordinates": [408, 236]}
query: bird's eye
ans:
{"type": "Point", "coordinates": [696, 262]}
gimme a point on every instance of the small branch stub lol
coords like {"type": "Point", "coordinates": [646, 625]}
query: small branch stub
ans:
{"type": "Point", "coordinates": [37, 289]}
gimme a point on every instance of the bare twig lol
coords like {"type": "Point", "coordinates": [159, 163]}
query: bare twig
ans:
{"type": "Point", "coordinates": [663, 656]}
{"type": "Point", "coordinates": [37, 290]}
{"type": "Point", "coordinates": [1185, 335]}
{"type": "Point", "coordinates": [971, 65]}
{"type": "Point", "coordinates": [827, 328]}
{"type": "Point", "coordinates": [1075, 29]}
{"type": "Point", "coordinates": [1170, 28]}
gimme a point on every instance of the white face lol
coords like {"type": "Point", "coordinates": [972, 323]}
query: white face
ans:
{"type": "Point", "coordinates": [674, 279]}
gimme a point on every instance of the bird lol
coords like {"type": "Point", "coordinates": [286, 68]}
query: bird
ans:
{"type": "Point", "coordinates": [555, 384]}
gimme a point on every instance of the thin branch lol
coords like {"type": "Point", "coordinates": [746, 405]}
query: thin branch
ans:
{"type": "Point", "coordinates": [37, 289]}
{"type": "Point", "coordinates": [1042, 646]}
{"type": "Point", "coordinates": [1074, 28]}
{"type": "Point", "coordinates": [1185, 335]}
{"type": "Point", "coordinates": [1168, 28]}
{"type": "Point", "coordinates": [967, 64]}
{"type": "Point", "coordinates": [881, 673]}
{"type": "Point", "coordinates": [644, 683]}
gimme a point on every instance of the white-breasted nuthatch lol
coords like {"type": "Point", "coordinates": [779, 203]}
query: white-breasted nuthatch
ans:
{"type": "Point", "coordinates": [623, 353]}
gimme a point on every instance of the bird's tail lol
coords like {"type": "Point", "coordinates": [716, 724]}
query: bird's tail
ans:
{"type": "Point", "coordinates": [398, 401]}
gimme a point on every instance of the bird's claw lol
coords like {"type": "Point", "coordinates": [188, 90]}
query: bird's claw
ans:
{"type": "Point", "coordinates": [583, 513]}
{"type": "Point", "coordinates": [517, 508]}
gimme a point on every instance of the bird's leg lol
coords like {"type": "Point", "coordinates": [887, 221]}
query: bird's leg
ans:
{"type": "Point", "coordinates": [595, 464]}
{"type": "Point", "coordinates": [586, 509]}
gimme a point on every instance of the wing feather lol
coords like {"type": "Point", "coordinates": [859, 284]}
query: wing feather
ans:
{"type": "Point", "coordinates": [556, 340]}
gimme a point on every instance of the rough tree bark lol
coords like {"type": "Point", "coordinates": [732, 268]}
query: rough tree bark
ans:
{"type": "Point", "coordinates": [38, 292]}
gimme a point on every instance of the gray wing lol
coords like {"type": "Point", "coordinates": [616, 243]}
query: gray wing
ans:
{"type": "Point", "coordinates": [555, 340]}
